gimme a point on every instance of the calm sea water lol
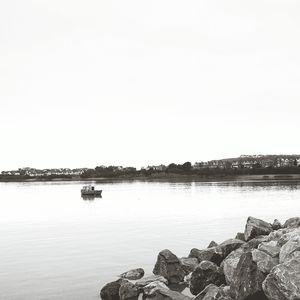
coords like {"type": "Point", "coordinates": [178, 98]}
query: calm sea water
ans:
{"type": "Point", "coordinates": [55, 245]}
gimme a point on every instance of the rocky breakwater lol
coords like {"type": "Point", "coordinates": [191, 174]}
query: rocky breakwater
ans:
{"type": "Point", "coordinates": [261, 263]}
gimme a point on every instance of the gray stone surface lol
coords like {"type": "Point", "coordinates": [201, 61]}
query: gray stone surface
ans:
{"type": "Point", "coordinates": [230, 263]}
{"type": "Point", "coordinates": [189, 264]}
{"type": "Point", "coordinates": [206, 272]}
{"type": "Point", "coordinates": [256, 227]}
{"type": "Point", "coordinates": [265, 262]}
{"type": "Point", "coordinates": [166, 294]}
{"type": "Point", "coordinates": [247, 279]}
{"type": "Point", "coordinates": [148, 279]}
{"type": "Point", "coordinates": [289, 249]}
{"type": "Point", "coordinates": [229, 245]}
{"type": "Point", "coordinates": [283, 283]}
{"type": "Point", "coordinates": [213, 254]}
{"type": "Point", "coordinates": [292, 222]}
{"type": "Point", "coordinates": [169, 266]}
{"type": "Point", "coordinates": [133, 274]}
{"type": "Point", "coordinates": [128, 291]}
{"type": "Point", "coordinates": [111, 290]}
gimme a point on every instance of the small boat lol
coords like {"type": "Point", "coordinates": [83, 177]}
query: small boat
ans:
{"type": "Point", "coordinates": [89, 190]}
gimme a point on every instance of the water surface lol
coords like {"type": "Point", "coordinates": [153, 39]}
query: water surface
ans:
{"type": "Point", "coordinates": [55, 245]}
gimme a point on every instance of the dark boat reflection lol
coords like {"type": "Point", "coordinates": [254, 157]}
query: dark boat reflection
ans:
{"type": "Point", "coordinates": [90, 197]}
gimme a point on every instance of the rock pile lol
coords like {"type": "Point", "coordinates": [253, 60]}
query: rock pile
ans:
{"type": "Point", "coordinates": [261, 263]}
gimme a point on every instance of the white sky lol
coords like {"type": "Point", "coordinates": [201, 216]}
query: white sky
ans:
{"type": "Point", "coordinates": [86, 83]}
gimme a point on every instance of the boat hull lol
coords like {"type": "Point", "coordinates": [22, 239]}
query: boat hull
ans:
{"type": "Point", "coordinates": [91, 193]}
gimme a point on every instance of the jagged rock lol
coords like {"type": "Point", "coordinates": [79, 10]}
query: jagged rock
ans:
{"type": "Point", "coordinates": [289, 249]}
{"type": "Point", "coordinates": [213, 254]}
{"type": "Point", "coordinates": [169, 266]}
{"type": "Point", "coordinates": [212, 244]}
{"type": "Point", "coordinates": [166, 294]}
{"type": "Point", "coordinates": [283, 233]}
{"type": "Point", "coordinates": [128, 291]}
{"type": "Point", "coordinates": [111, 290]}
{"type": "Point", "coordinates": [277, 234]}
{"type": "Point", "coordinates": [229, 245]}
{"type": "Point", "coordinates": [206, 272]}
{"type": "Point", "coordinates": [209, 292]}
{"type": "Point", "coordinates": [270, 248]}
{"type": "Point", "coordinates": [292, 223]}
{"type": "Point", "coordinates": [290, 233]}
{"type": "Point", "coordinates": [247, 279]}
{"type": "Point", "coordinates": [276, 225]}
{"type": "Point", "coordinates": [266, 266]}
{"type": "Point", "coordinates": [254, 243]}
{"type": "Point", "coordinates": [133, 274]}
{"type": "Point", "coordinates": [265, 262]}
{"type": "Point", "coordinates": [189, 264]}
{"type": "Point", "coordinates": [256, 227]}
{"type": "Point", "coordinates": [149, 279]}
{"type": "Point", "coordinates": [153, 285]}
{"type": "Point", "coordinates": [213, 292]}
{"type": "Point", "coordinates": [230, 263]}
{"type": "Point", "coordinates": [283, 283]}
{"type": "Point", "coordinates": [240, 236]}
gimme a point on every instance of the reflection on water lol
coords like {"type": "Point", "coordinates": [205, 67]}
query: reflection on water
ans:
{"type": "Point", "coordinates": [54, 245]}
{"type": "Point", "coordinates": [90, 197]}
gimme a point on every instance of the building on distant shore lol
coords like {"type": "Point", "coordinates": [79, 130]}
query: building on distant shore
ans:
{"type": "Point", "coordinates": [159, 168]}
{"type": "Point", "coordinates": [32, 172]}
{"type": "Point", "coordinates": [250, 162]}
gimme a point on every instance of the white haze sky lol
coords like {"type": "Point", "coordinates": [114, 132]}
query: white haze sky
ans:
{"type": "Point", "coordinates": [86, 83]}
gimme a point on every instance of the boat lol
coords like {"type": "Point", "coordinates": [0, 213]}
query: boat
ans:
{"type": "Point", "coordinates": [89, 190]}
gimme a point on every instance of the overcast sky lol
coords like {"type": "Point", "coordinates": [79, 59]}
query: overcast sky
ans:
{"type": "Point", "coordinates": [86, 83]}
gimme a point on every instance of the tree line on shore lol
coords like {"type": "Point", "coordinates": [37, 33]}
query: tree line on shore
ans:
{"type": "Point", "coordinates": [222, 169]}
{"type": "Point", "coordinates": [185, 169]}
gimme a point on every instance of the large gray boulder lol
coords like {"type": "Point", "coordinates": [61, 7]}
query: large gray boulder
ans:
{"type": "Point", "coordinates": [256, 227]}
{"type": "Point", "coordinates": [276, 225]}
{"type": "Point", "coordinates": [270, 248]}
{"type": "Point", "coordinates": [283, 283]}
{"type": "Point", "coordinates": [277, 234]}
{"type": "Point", "coordinates": [148, 289]}
{"type": "Point", "coordinates": [213, 254]}
{"type": "Point", "coordinates": [265, 262]}
{"type": "Point", "coordinates": [213, 292]}
{"type": "Point", "coordinates": [254, 243]}
{"type": "Point", "coordinates": [169, 266]}
{"type": "Point", "coordinates": [189, 264]}
{"type": "Point", "coordinates": [212, 244]}
{"type": "Point", "coordinates": [230, 263]}
{"type": "Point", "coordinates": [111, 290]}
{"type": "Point", "coordinates": [289, 249]}
{"type": "Point", "coordinates": [128, 291]}
{"type": "Point", "coordinates": [149, 279]}
{"type": "Point", "coordinates": [209, 292]}
{"type": "Point", "coordinates": [292, 223]}
{"type": "Point", "coordinates": [133, 274]}
{"type": "Point", "coordinates": [247, 279]}
{"type": "Point", "coordinates": [240, 236]}
{"type": "Point", "coordinates": [166, 294]}
{"type": "Point", "coordinates": [206, 273]}
{"type": "Point", "coordinates": [229, 245]}
{"type": "Point", "coordinates": [287, 235]}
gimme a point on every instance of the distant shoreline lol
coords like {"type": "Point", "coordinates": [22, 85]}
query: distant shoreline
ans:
{"type": "Point", "coordinates": [170, 178]}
